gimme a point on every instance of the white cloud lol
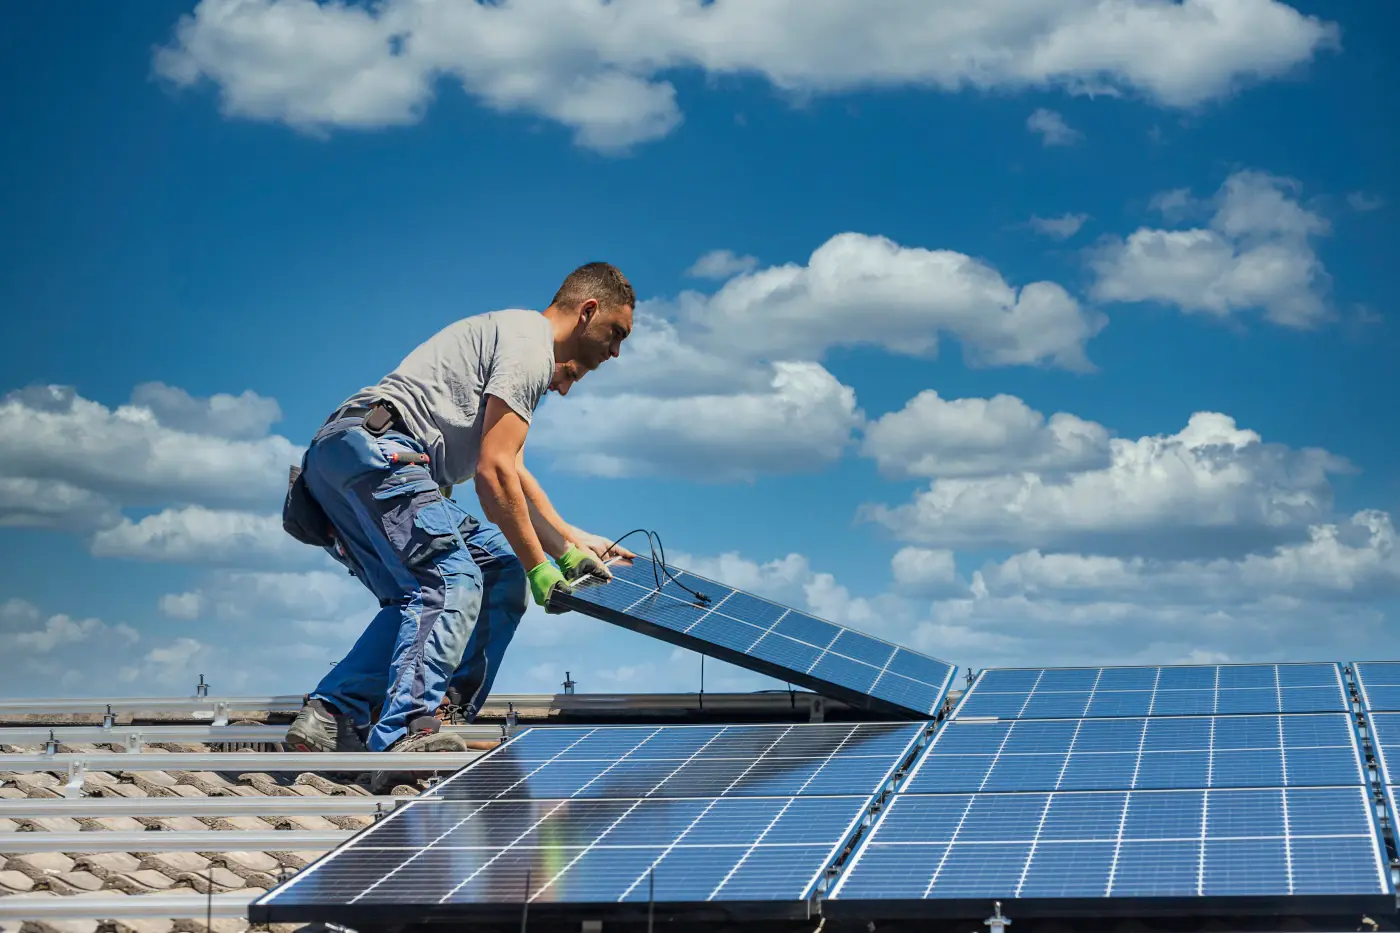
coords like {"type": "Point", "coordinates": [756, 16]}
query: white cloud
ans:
{"type": "Point", "coordinates": [1060, 228]}
{"type": "Point", "coordinates": [1053, 129]}
{"type": "Point", "coordinates": [247, 416]}
{"type": "Point", "coordinates": [1362, 202]}
{"type": "Point", "coordinates": [904, 298]}
{"type": "Point", "coordinates": [43, 503]}
{"type": "Point", "coordinates": [182, 605]}
{"type": "Point", "coordinates": [95, 458]}
{"type": "Point", "coordinates": [803, 421]}
{"type": "Point", "coordinates": [596, 68]}
{"type": "Point", "coordinates": [178, 665]}
{"type": "Point", "coordinates": [1210, 488]}
{"type": "Point", "coordinates": [1257, 252]}
{"type": "Point", "coordinates": [931, 436]}
{"type": "Point", "coordinates": [24, 630]}
{"type": "Point", "coordinates": [721, 264]}
{"type": "Point", "coordinates": [194, 534]}
{"type": "Point", "coordinates": [1353, 559]}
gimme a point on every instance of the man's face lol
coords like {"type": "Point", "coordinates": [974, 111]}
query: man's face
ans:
{"type": "Point", "coordinates": [599, 338]}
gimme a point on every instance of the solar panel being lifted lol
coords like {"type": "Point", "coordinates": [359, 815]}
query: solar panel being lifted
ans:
{"type": "Point", "coordinates": [702, 821]}
{"type": "Point", "coordinates": [763, 636]}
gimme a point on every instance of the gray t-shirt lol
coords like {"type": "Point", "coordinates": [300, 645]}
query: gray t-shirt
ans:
{"type": "Point", "coordinates": [439, 388]}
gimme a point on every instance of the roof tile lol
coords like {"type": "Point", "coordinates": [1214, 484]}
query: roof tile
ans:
{"type": "Point", "coordinates": [11, 793]}
{"type": "Point", "coordinates": [246, 863]}
{"type": "Point", "coordinates": [39, 865]}
{"type": "Point", "coordinates": [120, 824]}
{"type": "Point", "coordinates": [75, 882]}
{"type": "Point", "coordinates": [52, 824]}
{"type": "Point", "coordinates": [141, 925]}
{"type": "Point", "coordinates": [8, 826]}
{"type": "Point", "coordinates": [222, 879]}
{"type": "Point", "coordinates": [120, 790]}
{"type": "Point", "coordinates": [105, 864]}
{"type": "Point", "coordinates": [15, 882]}
{"type": "Point", "coordinates": [141, 881]}
{"type": "Point", "coordinates": [238, 822]}
{"type": "Point", "coordinates": [176, 823]}
{"type": "Point", "coordinates": [174, 863]}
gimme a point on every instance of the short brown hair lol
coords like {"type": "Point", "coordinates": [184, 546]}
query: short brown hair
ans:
{"type": "Point", "coordinates": [600, 280]}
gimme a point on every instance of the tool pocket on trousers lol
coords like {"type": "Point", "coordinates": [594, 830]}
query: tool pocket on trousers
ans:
{"type": "Point", "coordinates": [418, 523]}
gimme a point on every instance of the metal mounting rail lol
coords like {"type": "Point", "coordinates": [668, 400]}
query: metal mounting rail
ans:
{"type": "Point", "coordinates": [107, 906]}
{"type": "Point", "coordinates": [28, 808]}
{"type": "Point", "coordinates": [119, 735]}
{"type": "Point", "coordinates": [243, 761]}
{"type": "Point", "coordinates": [214, 840]}
{"type": "Point", "coordinates": [209, 707]}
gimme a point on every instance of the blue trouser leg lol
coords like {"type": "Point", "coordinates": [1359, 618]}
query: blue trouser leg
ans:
{"type": "Point", "coordinates": [503, 580]}
{"type": "Point", "coordinates": [402, 538]}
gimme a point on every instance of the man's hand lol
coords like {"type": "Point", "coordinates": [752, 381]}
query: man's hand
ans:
{"type": "Point", "coordinates": [545, 580]}
{"type": "Point", "coordinates": [579, 562]}
{"type": "Point", "coordinates": [601, 546]}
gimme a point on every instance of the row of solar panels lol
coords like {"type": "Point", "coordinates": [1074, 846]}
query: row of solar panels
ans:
{"type": "Point", "coordinates": [1029, 792]}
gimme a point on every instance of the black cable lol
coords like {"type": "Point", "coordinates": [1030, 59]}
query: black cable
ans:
{"type": "Point", "coordinates": [658, 564]}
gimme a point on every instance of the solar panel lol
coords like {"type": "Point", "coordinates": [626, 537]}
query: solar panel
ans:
{"type": "Point", "coordinates": [1092, 809]}
{"type": "Point", "coordinates": [1106, 692]}
{"type": "Point", "coordinates": [763, 636]}
{"type": "Point", "coordinates": [605, 819]}
{"type": "Point", "coordinates": [1115, 844]}
{"type": "Point", "coordinates": [1379, 684]}
{"type": "Point", "coordinates": [1183, 752]}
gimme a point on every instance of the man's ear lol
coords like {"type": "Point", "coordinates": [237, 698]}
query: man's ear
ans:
{"type": "Point", "coordinates": [588, 309]}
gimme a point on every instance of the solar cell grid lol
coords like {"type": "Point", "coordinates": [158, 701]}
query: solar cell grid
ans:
{"type": "Point", "coordinates": [1157, 843]}
{"type": "Point", "coordinates": [688, 761]}
{"type": "Point", "coordinates": [1379, 684]}
{"type": "Point", "coordinates": [545, 814]}
{"type": "Point", "coordinates": [756, 633]}
{"type": "Point", "coordinates": [1060, 693]}
{"type": "Point", "coordinates": [1120, 754]}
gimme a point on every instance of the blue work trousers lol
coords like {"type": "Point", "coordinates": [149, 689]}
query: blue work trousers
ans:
{"type": "Point", "coordinates": [451, 592]}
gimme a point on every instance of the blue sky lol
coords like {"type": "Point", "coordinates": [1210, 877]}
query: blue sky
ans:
{"type": "Point", "coordinates": [260, 227]}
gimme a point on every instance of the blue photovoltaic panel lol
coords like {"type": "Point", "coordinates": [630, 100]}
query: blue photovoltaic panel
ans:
{"type": "Point", "coordinates": [612, 816]}
{"type": "Point", "coordinates": [1379, 683]}
{"type": "Point", "coordinates": [1195, 690]}
{"type": "Point", "coordinates": [688, 761]}
{"type": "Point", "coordinates": [1385, 733]}
{"type": "Point", "coordinates": [1184, 752]}
{"type": "Point", "coordinates": [1174, 843]}
{"type": "Point", "coordinates": [763, 636]}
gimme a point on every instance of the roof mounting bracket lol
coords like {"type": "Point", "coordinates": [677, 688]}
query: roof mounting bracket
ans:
{"type": "Point", "coordinates": [201, 689]}
{"type": "Point", "coordinates": [221, 713]}
{"type": "Point", "coordinates": [51, 744]}
{"type": "Point", "coordinates": [816, 709]}
{"type": "Point", "coordinates": [77, 773]}
{"type": "Point", "coordinates": [109, 719]}
{"type": "Point", "coordinates": [133, 742]}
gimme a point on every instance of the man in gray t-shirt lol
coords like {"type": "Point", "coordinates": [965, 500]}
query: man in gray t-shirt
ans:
{"type": "Point", "coordinates": [371, 491]}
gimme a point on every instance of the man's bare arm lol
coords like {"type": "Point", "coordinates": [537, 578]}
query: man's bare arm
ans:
{"type": "Point", "coordinates": [556, 535]}
{"type": "Point", "coordinates": [498, 481]}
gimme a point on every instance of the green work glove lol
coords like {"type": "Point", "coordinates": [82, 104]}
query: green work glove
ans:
{"type": "Point", "coordinates": [546, 579]}
{"type": "Point", "coordinates": [580, 562]}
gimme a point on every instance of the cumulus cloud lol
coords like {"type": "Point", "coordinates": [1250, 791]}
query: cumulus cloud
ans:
{"type": "Point", "coordinates": [1052, 128]}
{"type": "Point", "coordinates": [177, 664]}
{"type": "Point", "coordinates": [43, 652]}
{"type": "Point", "coordinates": [1211, 487]}
{"type": "Point", "coordinates": [1354, 559]}
{"type": "Point", "coordinates": [721, 264]}
{"type": "Point", "coordinates": [803, 421]}
{"type": "Point", "coordinates": [194, 534]}
{"type": "Point", "coordinates": [1256, 253]}
{"type": "Point", "coordinates": [25, 630]}
{"type": "Point", "coordinates": [904, 298]}
{"type": "Point", "coordinates": [931, 436]}
{"type": "Point", "coordinates": [597, 68]}
{"type": "Point", "coordinates": [26, 502]}
{"type": "Point", "coordinates": [87, 460]}
{"type": "Point", "coordinates": [755, 398]}
{"type": "Point", "coordinates": [1060, 228]}
{"type": "Point", "coordinates": [181, 605]}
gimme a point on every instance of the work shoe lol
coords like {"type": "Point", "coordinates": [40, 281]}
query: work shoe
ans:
{"type": "Point", "coordinates": [318, 729]}
{"type": "Point", "coordinates": [423, 736]}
